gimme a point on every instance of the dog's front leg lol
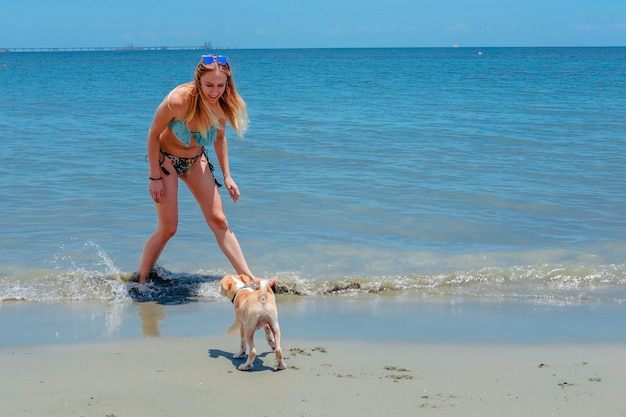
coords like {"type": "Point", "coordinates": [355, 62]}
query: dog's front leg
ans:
{"type": "Point", "coordinates": [269, 336]}
{"type": "Point", "coordinates": [242, 350]}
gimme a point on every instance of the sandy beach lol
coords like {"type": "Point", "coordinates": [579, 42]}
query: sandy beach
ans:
{"type": "Point", "coordinates": [198, 377]}
{"type": "Point", "coordinates": [345, 357]}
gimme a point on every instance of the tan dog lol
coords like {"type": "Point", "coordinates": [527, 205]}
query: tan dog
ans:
{"type": "Point", "coordinates": [254, 309]}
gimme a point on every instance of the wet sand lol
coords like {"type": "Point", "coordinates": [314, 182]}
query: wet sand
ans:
{"type": "Point", "coordinates": [368, 318]}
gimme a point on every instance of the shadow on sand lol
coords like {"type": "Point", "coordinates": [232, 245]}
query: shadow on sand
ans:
{"type": "Point", "coordinates": [257, 366]}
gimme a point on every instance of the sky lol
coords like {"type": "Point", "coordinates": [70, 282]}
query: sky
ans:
{"type": "Point", "coordinates": [253, 24]}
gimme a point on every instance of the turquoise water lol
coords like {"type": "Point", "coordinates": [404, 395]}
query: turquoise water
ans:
{"type": "Point", "coordinates": [428, 173]}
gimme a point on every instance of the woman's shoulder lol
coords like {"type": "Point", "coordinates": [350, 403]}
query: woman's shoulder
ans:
{"type": "Point", "coordinates": [178, 98]}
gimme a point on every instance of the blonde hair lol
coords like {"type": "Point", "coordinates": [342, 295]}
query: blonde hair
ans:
{"type": "Point", "coordinates": [231, 103]}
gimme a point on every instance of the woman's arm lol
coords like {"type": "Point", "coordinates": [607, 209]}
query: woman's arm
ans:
{"type": "Point", "coordinates": [221, 151]}
{"type": "Point", "coordinates": [165, 113]}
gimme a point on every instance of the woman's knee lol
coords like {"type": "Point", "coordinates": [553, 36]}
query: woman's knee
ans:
{"type": "Point", "coordinates": [217, 222]}
{"type": "Point", "coordinates": [167, 231]}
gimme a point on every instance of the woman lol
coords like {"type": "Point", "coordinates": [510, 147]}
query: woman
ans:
{"type": "Point", "coordinates": [192, 116]}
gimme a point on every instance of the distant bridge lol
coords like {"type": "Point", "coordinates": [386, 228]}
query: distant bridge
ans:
{"type": "Point", "coordinates": [206, 46]}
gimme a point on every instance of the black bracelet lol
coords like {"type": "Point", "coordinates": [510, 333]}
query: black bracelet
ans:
{"type": "Point", "coordinates": [156, 179]}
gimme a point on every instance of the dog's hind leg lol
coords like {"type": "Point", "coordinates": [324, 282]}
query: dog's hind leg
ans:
{"type": "Point", "coordinates": [280, 362]}
{"type": "Point", "coordinates": [242, 349]}
{"type": "Point", "coordinates": [251, 353]}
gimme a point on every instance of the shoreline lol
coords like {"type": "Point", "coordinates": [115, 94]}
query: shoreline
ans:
{"type": "Point", "coordinates": [195, 376]}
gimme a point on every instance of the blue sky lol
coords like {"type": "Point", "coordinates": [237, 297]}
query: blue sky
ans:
{"type": "Point", "coordinates": [312, 23]}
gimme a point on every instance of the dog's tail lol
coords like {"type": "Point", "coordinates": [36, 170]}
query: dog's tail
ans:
{"type": "Point", "coordinates": [263, 286]}
{"type": "Point", "coordinates": [263, 292]}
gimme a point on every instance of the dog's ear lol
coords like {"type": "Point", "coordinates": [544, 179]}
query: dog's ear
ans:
{"type": "Point", "coordinates": [245, 279]}
{"type": "Point", "coordinates": [226, 284]}
{"type": "Point", "coordinates": [271, 284]}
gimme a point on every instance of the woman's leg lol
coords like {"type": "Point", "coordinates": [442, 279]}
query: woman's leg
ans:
{"type": "Point", "coordinates": [167, 213]}
{"type": "Point", "coordinates": [201, 183]}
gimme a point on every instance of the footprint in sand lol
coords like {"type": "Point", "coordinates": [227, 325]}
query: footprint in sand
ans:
{"type": "Point", "coordinates": [397, 377]}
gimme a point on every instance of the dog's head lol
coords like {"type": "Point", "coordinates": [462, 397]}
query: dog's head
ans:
{"type": "Point", "coordinates": [232, 283]}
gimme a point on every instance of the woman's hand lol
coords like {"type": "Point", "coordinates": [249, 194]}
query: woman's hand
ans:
{"type": "Point", "coordinates": [232, 188]}
{"type": "Point", "coordinates": [156, 190]}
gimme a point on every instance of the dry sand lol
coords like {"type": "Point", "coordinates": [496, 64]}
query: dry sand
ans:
{"type": "Point", "coordinates": [178, 377]}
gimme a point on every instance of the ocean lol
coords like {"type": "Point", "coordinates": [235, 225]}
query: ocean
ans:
{"type": "Point", "coordinates": [492, 177]}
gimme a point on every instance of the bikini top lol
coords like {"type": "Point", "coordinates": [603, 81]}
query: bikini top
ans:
{"type": "Point", "coordinates": [184, 135]}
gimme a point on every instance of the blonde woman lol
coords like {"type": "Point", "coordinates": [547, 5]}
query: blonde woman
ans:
{"type": "Point", "coordinates": [193, 116]}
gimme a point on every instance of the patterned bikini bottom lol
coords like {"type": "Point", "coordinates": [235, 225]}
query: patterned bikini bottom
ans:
{"type": "Point", "coordinates": [183, 165]}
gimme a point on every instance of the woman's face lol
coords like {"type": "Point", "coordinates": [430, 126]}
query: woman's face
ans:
{"type": "Point", "coordinates": [212, 85]}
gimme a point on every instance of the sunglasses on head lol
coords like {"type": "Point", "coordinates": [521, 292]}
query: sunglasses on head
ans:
{"type": "Point", "coordinates": [212, 59]}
